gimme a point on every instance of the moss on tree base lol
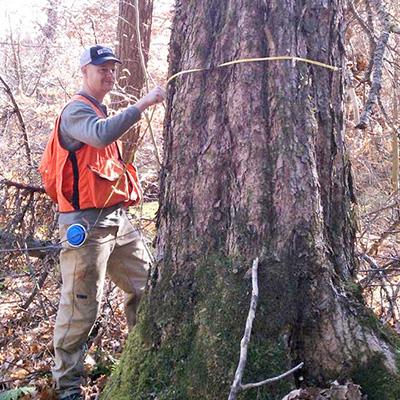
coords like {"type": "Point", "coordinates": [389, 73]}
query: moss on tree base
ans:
{"type": "Point", "coordinates": [187, 342]}
{"type": "Point", "coordinates": [189, 347]}
{"type": "Point", "coordinates": [373, 376]}
{"type": "Point", "coordinates": [375, 381]}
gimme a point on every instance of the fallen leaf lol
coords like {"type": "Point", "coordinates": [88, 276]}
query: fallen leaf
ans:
{"type": "Point", "coordinates": [293, 395]}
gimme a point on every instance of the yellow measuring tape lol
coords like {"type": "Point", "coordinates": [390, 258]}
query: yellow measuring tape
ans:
{"type": "Point", "coordinates": [247, 60]}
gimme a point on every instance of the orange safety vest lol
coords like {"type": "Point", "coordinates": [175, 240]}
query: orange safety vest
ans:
{"type": "Point", "coordinates": [88, 177]}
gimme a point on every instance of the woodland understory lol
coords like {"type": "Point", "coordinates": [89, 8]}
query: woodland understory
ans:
{"type": "Point", "coordinates": [37, 75]}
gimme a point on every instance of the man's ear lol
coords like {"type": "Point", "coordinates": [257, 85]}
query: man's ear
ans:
{"type": "Point", "coordinates": [84, 70]}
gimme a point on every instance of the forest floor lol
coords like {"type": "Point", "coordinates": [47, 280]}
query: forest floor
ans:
{"type": "Point", "coordinates": [26, 350]}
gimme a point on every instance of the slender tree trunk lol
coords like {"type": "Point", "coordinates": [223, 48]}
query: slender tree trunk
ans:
{"type": "Point", "coordinates": [255, 166]}
{"type": "Point", "coordinates": [130, 75]}
{"type": "Point", "coordinates": [395, 138]}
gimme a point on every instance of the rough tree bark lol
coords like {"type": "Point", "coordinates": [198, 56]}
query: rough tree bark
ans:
{"type": "Point", "coordinates": [255, 165]}
{"type": "Point", "coordinates": [130, 75]}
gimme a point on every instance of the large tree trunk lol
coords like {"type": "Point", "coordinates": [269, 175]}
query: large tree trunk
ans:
{"type": "Point", "coordinates": [130, 75]}
{"type": "Point", "coordinates": [255, 166]}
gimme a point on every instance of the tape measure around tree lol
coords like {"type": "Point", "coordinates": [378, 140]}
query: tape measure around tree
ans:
{"type": "Point", "coordinates": [257, 59]}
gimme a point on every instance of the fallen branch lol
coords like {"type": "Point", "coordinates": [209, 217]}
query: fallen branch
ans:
{"type": "Point", "coordinates": [389, 231]}
{"type": "Point", "coordinates": [30, 188]}
{"type": "Point", "coordinates": [20, 120]}
{"type": "Point", "coordinates": [26, 378]}
{"type": "Point", "coordinates": [381, 273]}
{"type": "Point", "coordinates": [34, 247]}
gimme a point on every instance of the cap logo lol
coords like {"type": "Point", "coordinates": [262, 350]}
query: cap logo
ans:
{"type": "Point", "coordinates": [104, 50]}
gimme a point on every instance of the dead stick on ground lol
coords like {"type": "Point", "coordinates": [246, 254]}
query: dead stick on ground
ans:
{"type": "Point", "coordinates": [271, 380]}
{"type": "Point", "coordinates": [237, 385]}
{"type": "Point", "coordinates": [237, 382]}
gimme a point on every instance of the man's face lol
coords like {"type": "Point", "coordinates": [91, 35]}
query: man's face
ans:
{"type": "Point", "coordinates": [100, 78]}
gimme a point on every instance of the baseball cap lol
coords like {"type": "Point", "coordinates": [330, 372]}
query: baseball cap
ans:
{"type": "Point", "coordinates": [97, 55]}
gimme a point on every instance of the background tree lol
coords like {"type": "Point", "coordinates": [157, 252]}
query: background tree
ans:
{"type": "Point", "coordinates": [255, 165]}
{"type": "Point", "coordinates": [131, 75]}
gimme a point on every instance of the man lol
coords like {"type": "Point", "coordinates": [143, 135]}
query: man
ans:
{"type": "Point", "coordinates": [82, 170]}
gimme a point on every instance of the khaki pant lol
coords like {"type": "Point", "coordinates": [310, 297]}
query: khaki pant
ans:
{"type": "Point", "coordinates": [118, 251]}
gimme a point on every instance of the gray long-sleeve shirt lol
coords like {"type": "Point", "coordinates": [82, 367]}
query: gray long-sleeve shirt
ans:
{"type": "Point", "coordinates": [80, 125]}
